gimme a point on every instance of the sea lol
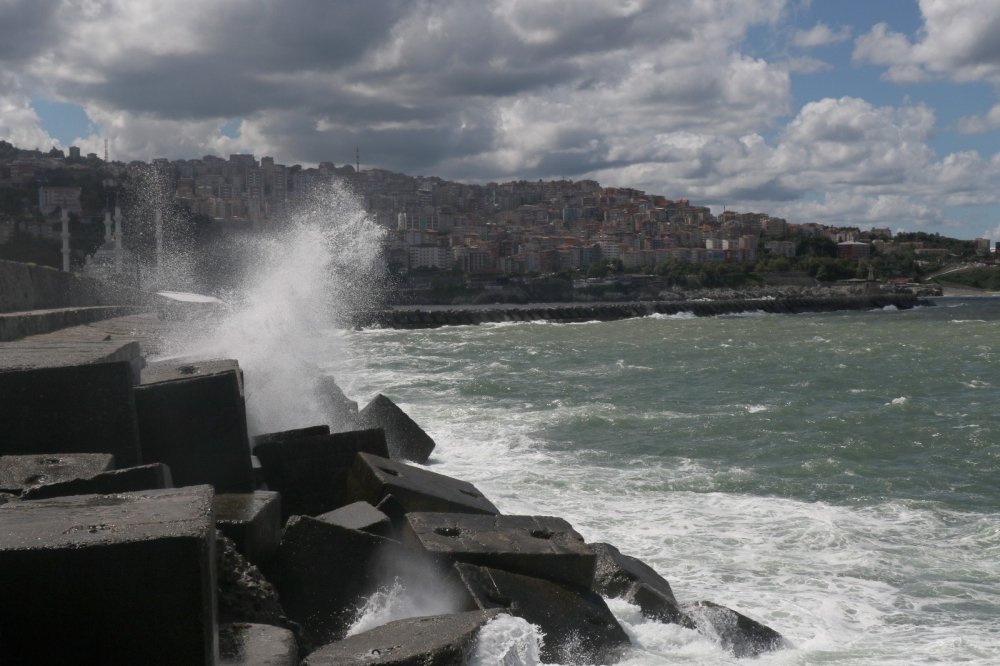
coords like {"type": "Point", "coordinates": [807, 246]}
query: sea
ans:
{"type": "Point", "coordinates": [835, 476]}
{"type": "Point", "coordinates": [832, 475]}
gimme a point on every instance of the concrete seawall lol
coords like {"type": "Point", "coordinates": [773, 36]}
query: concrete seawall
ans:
{"type": "Point", "coordinates": [578, 312]}
{"type": "Point", "coordinates": [33, 287]}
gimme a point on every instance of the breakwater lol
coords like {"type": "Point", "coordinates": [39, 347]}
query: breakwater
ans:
{"type": "Point", "coordinates": [408, 317]}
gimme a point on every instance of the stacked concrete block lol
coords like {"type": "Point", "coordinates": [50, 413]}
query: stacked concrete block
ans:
{"type": "Point", "coordinates": [192, 417]}
{"type": "Point", "coordinates": [359, 516]}
{"type": "Point", "coordinates": [20, 473]}
{"type": "Point", "coordinates": [540, 546]}
{"type": "Point", "coordinates": [434, 639]}
{"type": "Point", "coordinates": [578, 626]}
{"type": "Point", "coordinates": [324, 573]}
{"type": "Point", "coordinates": [155, 476]}
{"type": "Point", "coordinates": [621, 576]}
{"type": "Point", "coordinates": [310, 472]}
{"type": "Point", "coordinates": [406, 439]}
{"type": "Point", "coordinates": [252, 521]}
{"type": "Point", "coordinates": [109, 579]}
{"type": "Point", "coordinates": [372, 478]}
{"type": "Point", "coordinates": [69, 398]}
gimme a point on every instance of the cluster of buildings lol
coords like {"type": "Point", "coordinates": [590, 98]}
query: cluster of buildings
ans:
{"type": "Point", "coordinates": [510, 228]}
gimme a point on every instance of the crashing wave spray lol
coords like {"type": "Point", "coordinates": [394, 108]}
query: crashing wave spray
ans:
{"type": "Point", "coordinates": [295, 284]}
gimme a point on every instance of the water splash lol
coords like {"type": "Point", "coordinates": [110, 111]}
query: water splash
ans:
{"type": "Point", "coordinates": [507, 641]}
{"type": "Point", "coordinates": [295, 283]}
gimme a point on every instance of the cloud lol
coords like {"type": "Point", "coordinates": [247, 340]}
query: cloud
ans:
{"type": "Point", "coordinates": [820, 35]}
{"type": "Point", "coordinates": [957, 40]}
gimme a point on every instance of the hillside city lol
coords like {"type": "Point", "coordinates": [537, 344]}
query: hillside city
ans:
{"type": "Point", "coordinates": [481, 231]}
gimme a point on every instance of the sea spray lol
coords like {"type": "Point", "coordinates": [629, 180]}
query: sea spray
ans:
{"type": "Point", "coordinates": [507, 641]}
{"type": "Point", "coordinates": [296, 282]}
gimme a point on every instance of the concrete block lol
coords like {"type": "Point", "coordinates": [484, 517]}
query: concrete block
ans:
{"type": "Point", "coordinates": [578, 626]}
{"type": "Point", "coordinates": [736, 632]}
{"type": "Point", "coordinates": [324, 573]}
{"type": "Point", "coordinates": [18, 473]}
{"type": "Point", "coordinates": [309, 431]}
{"type": "Point", "coordinates": [155, 476]}
{"type": "Point", "coordinates": [622, 576]}
{"type": "Point", "coordinates": [341, 410]}
{"type": "Point", "coordinates": [252, 521]}
{"type": "Point", "coordinates": [311, 472]}
{"type": "Point", "coordinates": [434, 640]}
{"type": "Point", "coordinates": [539, 546]}
{"type": "Point", "coordinates": [248, 644]}
{"type": "Point", "coordinates": [359, 516]}
{"type": "Point", "coordinates": [192, 417]}
{"type": "Point", "coordinates": [406, 439]}
{"type": "Point", "coordinates": [109, 579]}
{"type": "Point", "coordinates": [74, 398]}
{"type": "Point", "coordinates": [415, 489]}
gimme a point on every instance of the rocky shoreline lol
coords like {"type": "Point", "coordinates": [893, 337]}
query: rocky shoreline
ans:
{"type": "Point", "coordinates": [141, 524]}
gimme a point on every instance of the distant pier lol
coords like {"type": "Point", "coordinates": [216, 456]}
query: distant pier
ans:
{"type": "Point", "coordinates": [436, 316]}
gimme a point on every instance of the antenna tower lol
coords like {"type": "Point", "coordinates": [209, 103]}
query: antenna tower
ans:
{"type": "Point", "coordinates": [357, 158]}
{"type": "Point", "coordinates": [105, 150]}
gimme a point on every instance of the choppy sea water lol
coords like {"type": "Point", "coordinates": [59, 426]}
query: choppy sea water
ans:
{"type": "Point", "coordinates": [834, 475]}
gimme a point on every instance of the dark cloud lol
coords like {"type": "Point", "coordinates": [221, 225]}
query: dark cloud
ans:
{"type": "Point", "coordinates": [26, 27]}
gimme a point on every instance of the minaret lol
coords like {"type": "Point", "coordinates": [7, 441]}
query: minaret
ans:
{"type": "Point", "coordinates": [158, 230]}
{"type": "Point", "coordinates": [118, 240]}
{"type": "Point", "coordinates": [107, 226]}
{"type": "Point", "coordinates": [65, 240]}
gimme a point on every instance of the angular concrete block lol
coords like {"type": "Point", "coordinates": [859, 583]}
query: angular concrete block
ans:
{"type": "Point", "coordinates": [84, 408]}
{"type": "Point", "coordinates": [310, 472]}
{"type": "Point", "coordinates": [406, 439]}
{"type": "Point", "coordinates": [578, 626]}
{"type": "Point", "coordinates": [734, 631]}
{"type": "Point", "coordinates": [359, 516]}
{"type": "Point", "coordinates": [324, 573]}
{"type": "Point", "coordinates": [109, 579]}
{"type": "Point", "coordinates": [18, 473]}
{"type": "Point", "coordinates": [155, 476]}
{"type": "Point", "coordinates": [436, 640]}
{"type": "Point", "coordinates": [415, 489]}
{"type": "Point", "coordinates": [248, 644]}
{"type": "Point", "coordinates": [192, 417]}
{"type": "Point", "coordinates": [625, 577]}
{"type": "Point", "coordinates": [342, 411]}
{"type": "Point", "coordinates": [252, 521]}
{"type": "Point", "coordinates": [295, 433]}
{"type": "Point", "coordinates": [540, 546]}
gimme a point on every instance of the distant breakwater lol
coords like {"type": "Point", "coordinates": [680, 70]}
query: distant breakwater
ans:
{"type": "Point", "coordinates": [433, 317]}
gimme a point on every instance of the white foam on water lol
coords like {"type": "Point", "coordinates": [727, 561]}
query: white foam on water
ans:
{"type": "Point", "coordinates": [679, 315]}
{"type": "Point", "coordinates": [395, 602]}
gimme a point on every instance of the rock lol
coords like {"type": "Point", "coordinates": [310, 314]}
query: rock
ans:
{"type": "Point", "coordinates": [18, 473]}
{"type": "Point", "coordinates": [252, 521]}
{"type": "Point", "coordinates": [109, 579]}
{"type": "Point", "coordinates": [192, 417]}
{"type": "Point", "coordinates": [244, 595]}
{"type": "Point", "coordinates": [628, 578]}
{"type": "Point", "coordinates": [734, 631]}
{"type": "Point", "coordinates": [309, 431]}
{"type": "Point", "coordinates": [342, 411]}
{"type": "Point", "coordinates": [324, 573]}
{"type": "Point", "coordinates": [406, 440]}
{"type": "Point", "coordinates": [435, 640]}
{"type": "Point", "coordinates": [415, 489]}
{"type": "Point", "coordinates": [70, 398]}
{"type": "Point", "coordinates": [155, 476]}
{"type": "Point", "coordinates": [539, 546]}
{"type": "Point", "coordinates": [248, 644]}
{"type": "Point", "coordinates": [578, 626]}
{"type": "Point", "coordinates": [359, 516]}
{"type": "Point", "coordinates": [311, 472]}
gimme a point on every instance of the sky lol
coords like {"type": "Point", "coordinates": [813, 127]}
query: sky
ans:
{"type": "Point", "coordinates": [868, 113]}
